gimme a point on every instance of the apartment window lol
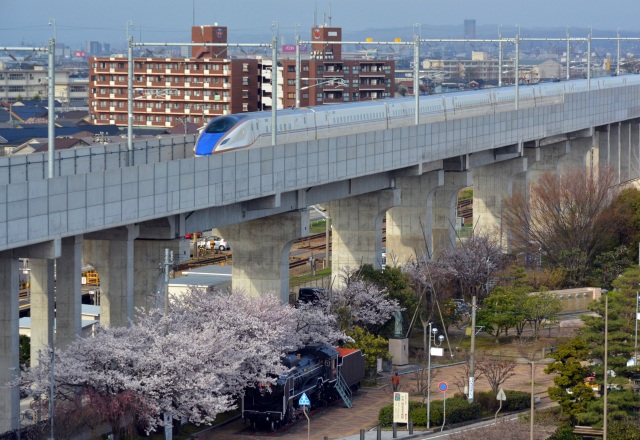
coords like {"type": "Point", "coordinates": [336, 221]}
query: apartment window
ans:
{"type": "Point", "coordinates": [120, 117]}
{"type": "Point", "coordinates": [16, 88]}
{"type": "Point", "coordinates": [245, 67]}
{"type": "Point", "coordinates": [139, 104]}
{"type": "Point", "coordinates": [291, 82]}
{"type": "Point", "coordinates": [245, 81]}
{"type": "Point", "coordinates": [120, 104]}
{"type": "Point", "coordinates": [216, 106]}
{"type": "Point", "coordinates": [245, 94]}
{"type": "Point", "coordinates": [187, 93]}
{"type": "Point", "coordinates": [291, 95]}
{"type": "Point", "coordinates": [120, 65]}
{"type": "Point", "coordinates": [216, 67]}
{"type": "Point", "coordinates": [103, 65]}
{"type": "Point", "coordinates": [291, 68]}
{"type": "Point", "coordinates": [139, 66]}
{"type": "Point", "coordinates": [16, 76]}
{"type": "Point", "coordinates": [245, 107]}
{"type": "Point", "coordinates": [158, 105]}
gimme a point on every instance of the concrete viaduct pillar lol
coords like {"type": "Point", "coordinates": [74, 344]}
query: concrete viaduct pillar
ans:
{"type": "Point", "coordinates": [113, 257]}
{"type": "Point", "coordinates": [619, 146]}
{"type": "Point", "coordinates": [42, 306]}
{"type": "Point", "coordinates": [148, 267]}
{"type": "Point", "coordinates": [444, 208]}
{"type": "Point", "coordinates": [69, 292]}
{"type": "Point", "coordinates": [492, 183]}
{"type": "Point", "coordinates": [261, 252]}
{"type": "Point", "coordinates": [357, 230]}
{"type": "Point", "coordinates": [41, 255]}
{"type": "Point", "coordinates": [409, 225]}
{"type": "Point", "coordinates": [9, 345]}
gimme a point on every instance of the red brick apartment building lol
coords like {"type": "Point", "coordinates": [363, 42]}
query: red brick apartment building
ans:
{"type": "Point", "coordinates": [170, 90]}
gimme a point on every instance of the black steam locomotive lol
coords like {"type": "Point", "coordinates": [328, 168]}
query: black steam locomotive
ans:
{"type": "Point", "coordinates": [322, 372]}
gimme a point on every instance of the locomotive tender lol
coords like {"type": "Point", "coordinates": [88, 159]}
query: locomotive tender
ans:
{"type": "Point", "coordinates": [321, 371]}
{"type": "Point", "coordinates": [253, 129]}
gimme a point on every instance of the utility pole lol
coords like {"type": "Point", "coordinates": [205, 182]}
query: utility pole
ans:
{"type": "Point", "coordinates": [472, 365]}
{"type": "Point", "coordinates": [168, 262]}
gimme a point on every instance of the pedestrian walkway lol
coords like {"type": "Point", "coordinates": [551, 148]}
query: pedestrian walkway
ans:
{"type": "Point", "coordinates": [336, 422]}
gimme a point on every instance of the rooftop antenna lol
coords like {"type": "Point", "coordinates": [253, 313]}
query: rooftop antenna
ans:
{"type": "Point", "coordinates": [330, 15]}
{"type": "Point", "coordinates": [315, 16]}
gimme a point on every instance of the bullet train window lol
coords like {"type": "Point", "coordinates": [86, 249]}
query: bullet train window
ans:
{"type": "Point", "coordinates": [222, 124]}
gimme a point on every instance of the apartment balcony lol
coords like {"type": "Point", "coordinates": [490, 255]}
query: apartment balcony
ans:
{"type": "Point", "coordinates": [372, 87]}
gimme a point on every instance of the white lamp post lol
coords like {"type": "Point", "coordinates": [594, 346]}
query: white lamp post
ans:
{"type": "Point", "coordinates": [432, 335]}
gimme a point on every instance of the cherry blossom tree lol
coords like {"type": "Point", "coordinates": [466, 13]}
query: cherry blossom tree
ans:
{"type": "Point", "coordinates": [192, 363]}
{"type": "Point", "coordinates": [314, 325]}
{"type": "Point", "coordinates": [360, 303]}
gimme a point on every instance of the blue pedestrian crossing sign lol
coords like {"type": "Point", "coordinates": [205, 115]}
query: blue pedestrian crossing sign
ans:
{"type": "Point", "coordinates": [304, 400]}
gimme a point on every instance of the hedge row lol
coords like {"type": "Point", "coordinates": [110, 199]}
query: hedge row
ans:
{"type": "Point", "coordinates": [458, 408]}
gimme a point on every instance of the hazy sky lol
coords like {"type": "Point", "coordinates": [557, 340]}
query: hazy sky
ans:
{"type": "Point", "coordinates": [77, 21]}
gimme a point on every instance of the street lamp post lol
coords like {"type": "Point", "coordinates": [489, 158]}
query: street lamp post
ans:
{"type": "Point", "coordinates": [432, 335]}
{"type": "Point", "coordinates": [606, 358]}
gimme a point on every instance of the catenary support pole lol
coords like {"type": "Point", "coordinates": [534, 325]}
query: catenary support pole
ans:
{"type": "Point", "coordinates": [52, 107]}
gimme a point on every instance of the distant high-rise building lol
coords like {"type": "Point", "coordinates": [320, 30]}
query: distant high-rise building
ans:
{"type": "Point", "coordinates": [469, 29]}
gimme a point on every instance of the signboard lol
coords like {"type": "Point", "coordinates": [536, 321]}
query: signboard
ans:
{"type": "Point", "coordinates": [397, 40]}
{"type": "Point", "coordinates": [304, 400]}
{"type": "Point", "coordinates": [79, 54]}
{"type": "Point", "coordinates": [400, 407]}
{"type": "Point", "coordinates": [291, 48]}
{"type": "Point", "coordinates": [442, 386]}
{"type": "Point", "coordinates": [369, 40]}
{"type": "Point", "coordinates": [435, 351]}
{"type": "Point", "coordinates": [471, 390]}
{"type": "Point", "coordinates": [501, 396]}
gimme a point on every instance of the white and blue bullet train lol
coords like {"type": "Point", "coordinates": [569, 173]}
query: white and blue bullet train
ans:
{"type": "Point", "coordinates": [253, 130]}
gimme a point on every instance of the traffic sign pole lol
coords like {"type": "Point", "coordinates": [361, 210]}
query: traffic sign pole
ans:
{"type": "Point", "coordinates": [304, 402]}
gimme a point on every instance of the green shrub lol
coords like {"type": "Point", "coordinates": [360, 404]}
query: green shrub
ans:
{"type": "Point", "coordinates": [458, 410]}
{"type": "Point", "coordinates": [516, 401]}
